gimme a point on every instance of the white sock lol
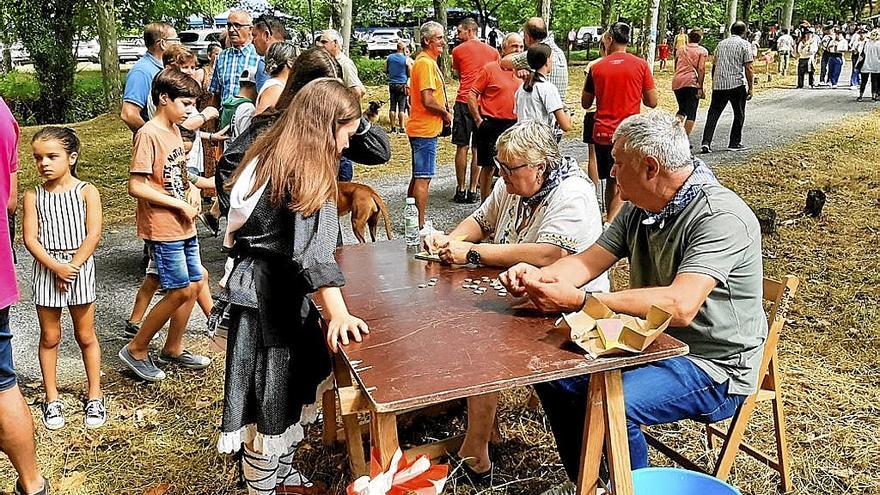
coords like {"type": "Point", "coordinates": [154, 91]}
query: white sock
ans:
{"type": "Point", "coordinates": [259, 472]}
{"type": "Point", "coordinates": [288, 475]}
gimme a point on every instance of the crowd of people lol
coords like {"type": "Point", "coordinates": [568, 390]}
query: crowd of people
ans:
{"type": "Point", "coordinates": [268, 130]}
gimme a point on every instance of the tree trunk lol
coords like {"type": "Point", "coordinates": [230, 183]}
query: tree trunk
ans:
{"type": "Point", "coordinates": [662, 20]}
{"type": "Point", "coordinates": [731, 16]}
{"type": "Point", "coordinates": [345, 27]}
{"type": "Point", "coordinates": [652, 38]}
{"type": "Point", "coordinates": [789, 12]}
{"type": "Point", "coordinates": [440, 16]}
{"type": "Point", "coordinates": [109, 56]}
{"type": "Point", "coordinates": [606, 13]}
{"type": "Point", "coordinates": [543, 11]}
{"type": "Point", "coordinates": [746, 11]}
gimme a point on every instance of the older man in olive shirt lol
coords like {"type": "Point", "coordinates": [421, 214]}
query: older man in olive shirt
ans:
{"type": "Point", "coordinates": [694, 249]}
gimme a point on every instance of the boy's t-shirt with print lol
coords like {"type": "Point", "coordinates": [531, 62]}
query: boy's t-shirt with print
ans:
{"type": "Point", "coordinates": [158, 153]}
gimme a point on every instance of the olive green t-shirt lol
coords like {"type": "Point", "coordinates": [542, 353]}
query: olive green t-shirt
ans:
{"type": "Point", "coordinates": [717, 235]}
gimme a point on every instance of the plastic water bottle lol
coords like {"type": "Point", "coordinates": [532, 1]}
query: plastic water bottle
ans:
{"type": "Point", "coordinates": [411, 222]}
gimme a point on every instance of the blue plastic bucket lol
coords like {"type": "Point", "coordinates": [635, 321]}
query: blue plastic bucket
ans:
{"type": "Point", "coordinates": [673, 481]}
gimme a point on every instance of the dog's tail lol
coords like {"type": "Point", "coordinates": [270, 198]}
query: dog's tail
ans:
{"type": "Point", "coordinates": [381, 205]}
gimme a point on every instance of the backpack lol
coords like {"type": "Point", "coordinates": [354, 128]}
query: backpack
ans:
{"type": "Point", "coordinates": [229, 108]}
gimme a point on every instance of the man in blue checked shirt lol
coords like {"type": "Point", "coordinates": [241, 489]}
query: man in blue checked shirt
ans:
{"type": "Point", "coordinates": [234, 60]}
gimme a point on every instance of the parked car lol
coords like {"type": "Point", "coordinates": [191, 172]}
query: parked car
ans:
{"type": "Point", "coordinates": [17, 53]}
{"type": "Point", "coordinates": [130, 48]}
{"type": "Point", "coordinates": [198, 40]}
{"type": "Point", "coordinates": [588, 35]}
{"type": "Point", "coordinates": [88, 51]}
{"type": "Point", "coordinates": [384, 41]}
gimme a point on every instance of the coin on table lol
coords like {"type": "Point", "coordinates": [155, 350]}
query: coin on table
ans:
{"type": "Point", "coordinates": [422, 286]}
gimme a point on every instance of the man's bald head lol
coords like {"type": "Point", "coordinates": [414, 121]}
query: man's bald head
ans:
{"type": "Point", "coordinates": [534, 30]}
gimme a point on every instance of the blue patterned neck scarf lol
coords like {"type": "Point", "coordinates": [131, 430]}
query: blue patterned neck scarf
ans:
{"type": "Point", "coordinates": [568, 167]}
{"type": "Point", "coordinates": [701, 175]}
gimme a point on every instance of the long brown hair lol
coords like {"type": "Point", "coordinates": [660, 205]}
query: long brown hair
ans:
{"type": "Point", "coordinates": [298, 153]}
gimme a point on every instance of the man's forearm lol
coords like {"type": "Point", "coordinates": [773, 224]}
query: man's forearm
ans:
{"type": "Point", "coordinates": [506, 255]}
{"type": "Point", "coordinates": [468, 230]}
{"type": "Point", "coordinates": [433, 105]}
{"type": "Point", "coordinates": [474, 108]}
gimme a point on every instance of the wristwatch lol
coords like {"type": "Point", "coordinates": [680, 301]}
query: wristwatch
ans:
{"type": "Point", "coordinates": [473, 257]}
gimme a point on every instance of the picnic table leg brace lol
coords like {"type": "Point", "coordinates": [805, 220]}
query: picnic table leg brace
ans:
{"type": "Point", "coordinates": [605, 425]}
{"type": "Point", "coordinates": [383, 437]}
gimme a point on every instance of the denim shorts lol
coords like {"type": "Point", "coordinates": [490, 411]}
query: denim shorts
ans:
{"type": "Point", "coordinates": [177, 262]}
{"type": "Point", "coordinates": [424, 157]}
{"type": "Point", "coordinates": [7, 371]}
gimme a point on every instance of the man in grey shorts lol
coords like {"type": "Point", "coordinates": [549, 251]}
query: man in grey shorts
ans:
{"type": "Point", "coordinates": [694, 249]}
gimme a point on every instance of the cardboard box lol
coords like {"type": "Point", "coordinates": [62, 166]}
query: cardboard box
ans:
{"type": "Point", "coordinates": [600, 331]}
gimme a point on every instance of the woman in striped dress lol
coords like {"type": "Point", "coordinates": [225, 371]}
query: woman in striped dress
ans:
{"type": "Point", "coordinates": [62, 228]}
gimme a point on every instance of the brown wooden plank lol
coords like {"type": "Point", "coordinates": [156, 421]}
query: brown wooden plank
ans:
{"type": "Point", "coordinates": [616, 439]}
{"type": "Point", "coordinates": [436, 450]}
{"type": "Point", "coordinates": [430, 345]}
{"type": "Point", "coordinates": [594, 438]}
{"type": "Point", "coordinates": [383, 437]}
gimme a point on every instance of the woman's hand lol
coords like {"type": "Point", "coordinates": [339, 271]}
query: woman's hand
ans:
{"type": "Point", "coordinates": [339, 328]}
{"type": "Point", "coordinates": [433, 242]}
{"type": "Point", "coordinates": [455, 252]}
{"type": "Point", "coordinates": [552, 296]}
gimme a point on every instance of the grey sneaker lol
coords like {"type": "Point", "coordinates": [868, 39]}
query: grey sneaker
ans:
{"type": "Point", "coordinates": [95, 413]}
{"type": "Point", "coordinates": [53, 415]}
{"type": "Point", "coordinates": [186, 359]}
{"type": "Point", "coordinates": [144, 368]}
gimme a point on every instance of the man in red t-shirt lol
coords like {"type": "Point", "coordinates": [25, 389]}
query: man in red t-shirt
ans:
{"type": "Point", "coordinates": [491, 103]}
{"type": "Point", "coordinates": [620, 82]}
{"type": "Point", "coordinates": [468, 59]}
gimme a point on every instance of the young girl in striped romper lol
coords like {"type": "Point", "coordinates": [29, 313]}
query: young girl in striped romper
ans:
{"type": "Point", "coordinates": [62, 228]}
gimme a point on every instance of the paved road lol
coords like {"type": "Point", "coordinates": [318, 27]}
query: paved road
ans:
{"type": "Point", "coordinates": [772, 119]}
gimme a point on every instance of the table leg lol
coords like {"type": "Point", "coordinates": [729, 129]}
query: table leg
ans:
{"type": "Point", "coordinates": [383, 437]}
{"type": "Point", "coordinates": [594, 438]}
{"type": "Point", "coordinates": [353, 440]}
{"type": "Point", "coordinates": [617, 445]}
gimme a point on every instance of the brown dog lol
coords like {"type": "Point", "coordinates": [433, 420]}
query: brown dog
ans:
{"type": "Point", "coordinates": [365, 206]}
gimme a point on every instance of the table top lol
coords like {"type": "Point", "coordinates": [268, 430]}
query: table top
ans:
{"type": "Point", "coordinates": [434, 344]}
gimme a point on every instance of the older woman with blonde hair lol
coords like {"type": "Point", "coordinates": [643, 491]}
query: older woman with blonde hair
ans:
{"type": "Point", "coordinates": [543, 208]}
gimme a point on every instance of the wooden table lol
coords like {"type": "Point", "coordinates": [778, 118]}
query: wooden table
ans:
{"type": "Point", "coordinates": [435, 344]}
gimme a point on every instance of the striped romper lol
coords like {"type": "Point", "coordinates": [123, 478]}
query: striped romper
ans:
{"type": "Point", "coordinates": [61, 228]}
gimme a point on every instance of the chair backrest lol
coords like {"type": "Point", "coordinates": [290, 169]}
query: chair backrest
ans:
{"type": "Point", "coordinates": [780, 294]}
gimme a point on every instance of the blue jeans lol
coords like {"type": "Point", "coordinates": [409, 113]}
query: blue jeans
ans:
{"type": "Point", "coordinates": [656, 393]}
{"type": "Point", "coordinates": [178, 263]}
{"type": "Point", "coordinates": [346, 170]}
{"type": "Point", "coordinates": [7, 370]}
{"type": "Point", "coordinates": [424, 157]}
{"type": "Point", "coordinates": [835, 63]}
{"type": "Point", "coordinates": [854, 79]}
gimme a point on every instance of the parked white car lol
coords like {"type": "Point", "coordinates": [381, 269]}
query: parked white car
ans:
{"type": "Point", "coordinates": [198, 40]}
{"type": "Point", "coordinates": [130, 49]}
{"type": "Point", "coordinates": [88, 51]}
{"type": "Point", "coordinates": [18, 53]}
{"type": "Point", "coordinates": [384, 41]}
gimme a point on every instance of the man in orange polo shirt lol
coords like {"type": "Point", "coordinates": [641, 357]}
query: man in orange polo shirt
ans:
{"type": "Point", "coordinates": [428, 113]}
{"type": "Point", "coordinates": [491, 104]}
{"type": "Point", "coordinates": [468, 59]}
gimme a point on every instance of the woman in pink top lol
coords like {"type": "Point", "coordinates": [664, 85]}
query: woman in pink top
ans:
{"type": "Point", "coordinates": [687, 83]}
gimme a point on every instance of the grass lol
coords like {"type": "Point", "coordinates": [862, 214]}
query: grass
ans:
{"type": "Point", "coordinates": [161, 437]}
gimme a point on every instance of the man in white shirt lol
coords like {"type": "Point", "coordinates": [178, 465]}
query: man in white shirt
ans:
{"type": "Point", "coordinates": [784, 45]}
{"type": "Point", "coordinates": [331, 41]}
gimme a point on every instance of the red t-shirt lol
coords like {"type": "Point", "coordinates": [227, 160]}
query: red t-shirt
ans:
{"type": "Point", "coordinates": [468, 59]}
{"type": "Point", "coordinates": [496, 90]}
{"type": "Point", "coordinates": [618, 81]}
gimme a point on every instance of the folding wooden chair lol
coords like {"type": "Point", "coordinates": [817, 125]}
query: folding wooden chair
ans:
{"type": "Point", "coordinates": [779, 294]}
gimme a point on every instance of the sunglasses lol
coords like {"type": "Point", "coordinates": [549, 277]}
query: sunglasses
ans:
{"type": "Point", "coordinates": [504, 168]}
{"type": "Point", "coordinates": [236, 26]}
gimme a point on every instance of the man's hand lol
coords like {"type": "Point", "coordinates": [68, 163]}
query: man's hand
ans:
{"type": "Point", "coordinates": [210, 113]}
{"type": "Point", "coordinates": [188, 211]}
{"type": "Point", "coordinates": [523, 74]}
{"type": "Point", "coordinates": [552, 296]}
{"type": "Point", "coordinates": [455, 252]}
{"type": "Point", "coordinates": [512, 279]}
{"type": "Point", "coordinates": [447, 118]}
{"type": "Point", "coordinates": [749, 96]}
{"type": "Point", "coordinates": [433, 242]}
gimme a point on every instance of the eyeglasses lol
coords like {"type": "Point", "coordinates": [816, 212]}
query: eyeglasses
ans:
{"type": "Point", "coordinates": [236, 26]}
{"type": "Point", "coordinates": [504, 168]}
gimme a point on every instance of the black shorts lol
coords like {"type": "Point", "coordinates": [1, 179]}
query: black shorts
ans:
{"type": "Point", "coordinates": [463, 125]}
{"type": "Point", "coordinates": [399, 100]}
{"type": "Point", "coordinates": [688, 102]}
{"type": "Point", "coordinates": [589, 123]}
{"type": "Point", "coordinates": [486, 136]}
{"type": "Point", "coordinates": [604, 160]}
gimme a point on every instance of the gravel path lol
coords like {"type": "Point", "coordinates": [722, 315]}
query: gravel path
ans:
{"type": "Point", "coordinates": [772, 119]}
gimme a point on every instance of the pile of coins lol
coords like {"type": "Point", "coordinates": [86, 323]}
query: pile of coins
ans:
{"type": "Point", "coordinates": [476, 284]}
